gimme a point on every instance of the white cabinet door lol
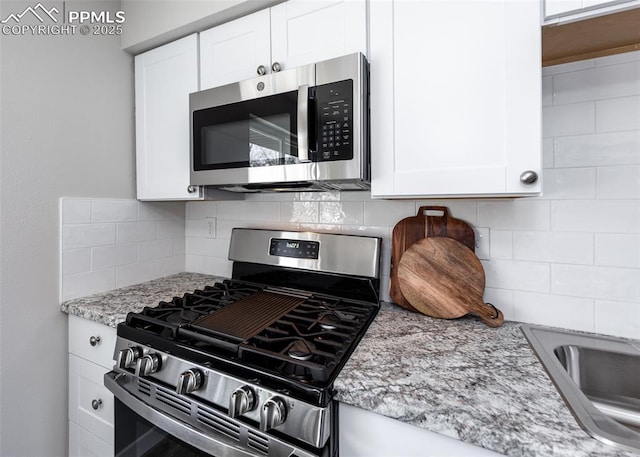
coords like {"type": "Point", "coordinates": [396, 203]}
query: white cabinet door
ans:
{"type": "Point", "coordinates": [164, 77]}
{"type": "Point", "coordinates": [367, 434]}
{"type": "Point", "coordinates": [234, 51]}
{"type": "Point", "coordinates": [84, 444]}
{"type": "Point", "coordinates": [92, 341]}
{"type": "Point", "coordinates": [455, 100]}
{"type": "Point", "coordinates": [90, 402]}
{"type": "Point", "coordinates": [304, 32]}
{"type": "Point", "coordinates": [91, 347]}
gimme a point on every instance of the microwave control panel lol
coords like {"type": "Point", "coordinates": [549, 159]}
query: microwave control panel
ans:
{"type": "Point", "coordinates": [334, 114]}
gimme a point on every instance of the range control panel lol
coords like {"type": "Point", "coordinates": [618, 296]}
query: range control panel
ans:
{"type": "Point", "coordinates": [334, 111]}
{"type": "Point", "coordinates": [299, 249]}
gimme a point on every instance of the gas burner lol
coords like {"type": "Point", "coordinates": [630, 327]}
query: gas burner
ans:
{"type": "Point", "coordinates": [301, 349]}
{"type": "Point", "coordinates": [329, 321]}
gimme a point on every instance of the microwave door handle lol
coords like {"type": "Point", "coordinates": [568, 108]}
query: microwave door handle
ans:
{"type": "Point", "coordinates": [303, 123]}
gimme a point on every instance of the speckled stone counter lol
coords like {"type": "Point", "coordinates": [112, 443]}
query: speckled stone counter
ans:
{"type": "Point", "coordinates": [462, 379]}
{"type": "Point", "coordinates": [458, 378]}
{"type": "Point", "coordinates": [111, 308]}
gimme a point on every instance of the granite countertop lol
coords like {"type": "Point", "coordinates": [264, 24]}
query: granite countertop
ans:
{"type": "Point", "coordinates": [459, 378]}
{"type": "Point", "coordinates": [111, 308]}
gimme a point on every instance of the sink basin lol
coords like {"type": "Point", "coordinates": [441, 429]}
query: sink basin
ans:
{"type": "Point", "coordinates": [599, 379]}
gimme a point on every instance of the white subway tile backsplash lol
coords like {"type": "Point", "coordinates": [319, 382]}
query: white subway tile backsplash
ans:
{"type": "Point", "coordinates": [200, 210]}
{"type": "Point", "coordinates": [231, 210]}
{"type": "Point", "coordinates": [501, 299]}
{"type": "Point", "coordinates": [606, 283]}
{"type": "Point", "coordinates": [88, 283]}
{"type": "Point", "coordinates": [131, 232]}
{"type": "Point", "coordinates": [620, 148]}
{"type": "Point", "coordinates": [547, 90]}
{"type": "Point", "coordinates": [387, 212]}
{"type": "Point", "coordinates": [114, 211]}
{"type": "Point", "coordinates": [618, 114]}
{"type": "Point", "coordinates": [568, 67]}
{"type": "Point", "coordinates": [515, 214]}
{"type": "Point", "coordinates": [169, 228]}
{"type": "Point", "coordinates": [548, 151]}
{"type": "Point", "coordinates": [501, 242]}
{"type": "Point", "coordinates": [554, 247]}
{"type": "Point", "coordinates": [76, 211]}
{"type": "Point", "coordinates": [263, 211]}
{"type": "Point", "coordinates": [109, 243]}
{"type": "Point", "coordinates": [569, 183]}
{"type": "Point", "coordinates": [76, 261]}
{"type": "Point", "coordinates": [564, 120]}
{"type": "Point", "coordinates": [87, 235]}
{"type": "Point", "coordinates": [619, 183]}
{"type": "Point", "coordinates": [136, 273]}
{"type": "Point", "coordinates": [114, 255]}
{"type": "Point", "coordinates": [616, 250]}
{"type": "Point", "coordinates": [300, 212]}
{"type": "Point", "coordinates": [618, 318]}
{"type": "Point", "coordinates": [608, 216]}
{"type": "Point", "coordinates": [554, 310]}
{"type": "Point", "coordinates": [518, 275]}
{"type": "Point", "coordinates": [155, 249]}
{"type": "Point", "coordinates": [339, 212]}
{"type": "Point", "coordinates": [597, 83]}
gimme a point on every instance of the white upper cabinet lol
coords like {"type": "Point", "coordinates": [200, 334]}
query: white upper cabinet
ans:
{"type": "Point", "coordinates": [164, 77]}
{"type": "Point", "coordinates": [455, 98]}
{"type": "Point", "coordinates": [571, 10]}
{"type": "Point", "coordinates": [236, 50]}
{"type": "Point", "coordinates": [304, 32]}
{"type": "Point", "coordinates": [287, 35]}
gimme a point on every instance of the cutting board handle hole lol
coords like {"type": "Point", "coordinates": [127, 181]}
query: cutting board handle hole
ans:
{"type": "Point", "coordinates": [433, 211]}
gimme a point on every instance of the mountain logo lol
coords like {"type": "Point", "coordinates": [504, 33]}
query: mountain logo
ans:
{"type": "Point", "coordinates": [39, 11]}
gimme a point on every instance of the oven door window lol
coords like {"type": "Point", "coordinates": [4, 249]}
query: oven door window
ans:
{"type": "Point", "coordinates": [254, 133]}
{"type": "Point", "coordinates": [136, 437]}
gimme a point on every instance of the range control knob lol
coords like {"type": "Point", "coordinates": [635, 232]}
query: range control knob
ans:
{"type": "Point", "coordinates": [189, 381]}
{"type": "Point", "coordinates": [273, 413]}
{"type": "Point", "coordinates": [148, 364]}
{"type": "Point", "coordinates": [128, 357]}
{"type": "Point", "coordinates": [242, 400]}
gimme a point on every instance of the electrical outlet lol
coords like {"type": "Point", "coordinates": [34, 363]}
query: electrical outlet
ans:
{"type": "Point", "coordinates": [483, 246]}
{"type": "Point", "coordinates": [211, 227]}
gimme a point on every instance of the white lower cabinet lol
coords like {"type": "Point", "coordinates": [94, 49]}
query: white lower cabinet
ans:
{"type": "Point", "coordinates": [90, 402]}
{"type": "Point", "coordinates": [367, 434]}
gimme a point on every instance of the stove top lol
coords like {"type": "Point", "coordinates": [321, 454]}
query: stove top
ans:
{"type": "Point", "coordinates": [305, 337]}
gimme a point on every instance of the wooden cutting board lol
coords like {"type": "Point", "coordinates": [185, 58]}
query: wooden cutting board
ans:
{"type": "Point", "coordinates": [441, 277]}
{"type": "Point", "coordinates": [430, 221]}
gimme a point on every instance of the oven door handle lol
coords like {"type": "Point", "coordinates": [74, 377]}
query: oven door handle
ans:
{"type": "Point", "coordinates": [171, 425]}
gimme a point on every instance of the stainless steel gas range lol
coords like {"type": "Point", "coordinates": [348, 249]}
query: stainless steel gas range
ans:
{"type": "Point", "coordinates": [245, 366]}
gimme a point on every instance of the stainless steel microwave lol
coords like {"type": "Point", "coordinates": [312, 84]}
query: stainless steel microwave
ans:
{"type": "Point", "coordinates": [306, 128]}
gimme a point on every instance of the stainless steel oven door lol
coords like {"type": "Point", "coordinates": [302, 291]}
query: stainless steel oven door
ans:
{"type": "Point", "coordinates": [151, 420]}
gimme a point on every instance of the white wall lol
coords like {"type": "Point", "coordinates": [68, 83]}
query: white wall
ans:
{"type": "Point", "coordinates": [67, 130]}
{"type": "Point", "coordinates": [570, 258]}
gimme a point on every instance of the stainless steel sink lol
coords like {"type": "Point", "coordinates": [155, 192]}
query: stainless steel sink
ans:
{"type": "Point", "coordinates": [599, 379]}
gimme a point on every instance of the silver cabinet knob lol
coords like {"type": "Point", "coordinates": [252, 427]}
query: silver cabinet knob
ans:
{"type": "Point", "coordinates": [192, 189]}
{"type": "Point", "coordinates": [128, 357]}
{"type": "Point", "coordinates": [95, 404]}
{"type": "Point", "coordinates": [242, 400]}
{"type": "Point", "coordinates": [94, 340]}
{"type": "Point", "coordinates": [276, 66]}
{"type": "Point", "coordinates": [261, 70]}
{"type": "Point", "coordinates": [147, 364]}
{"type": "Point", "coordinates": [273, 413]}
{"type": "Point", "coordinates": [189, 381]}
{"type": "Point", "coordinates": [528, 177]}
